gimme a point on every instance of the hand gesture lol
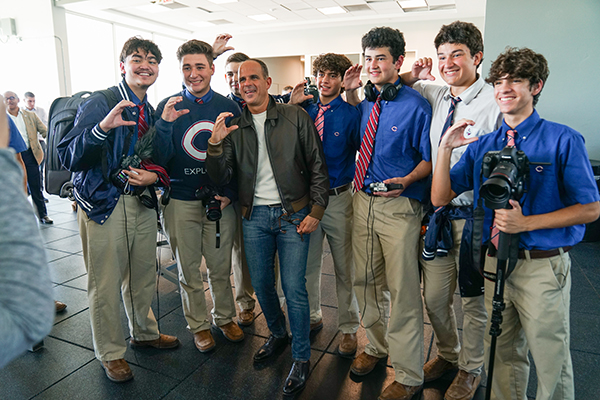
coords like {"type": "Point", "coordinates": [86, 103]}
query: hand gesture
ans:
{"type": "Point", "coordinates": [169, 113]}
{"type": "Point", "coordinates": [298, 96]}
{"type": "Point", "coordinates": [220, 44]}
{"type": "Point", "coordinates": [352, 78]}
{"type": "Point", "coordinates": [114, 118]}
{"type": "Point", "coordinates": [421, 69]}
{"type": "Point", "coordinates": [220, 130]}
{"type": "Point", "coordinates": [455, 135]}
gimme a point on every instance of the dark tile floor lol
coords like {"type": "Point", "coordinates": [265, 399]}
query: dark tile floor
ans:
{"type": "Point", "coordinates": [66, 368]}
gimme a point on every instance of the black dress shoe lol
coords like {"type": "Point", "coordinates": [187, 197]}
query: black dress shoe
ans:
{"type": "Point", "coordinates": [272, 344]}
{"type": "Point", "coordinates": [296, 380]}
{"type": "Point", "coordinates": [46, 220]}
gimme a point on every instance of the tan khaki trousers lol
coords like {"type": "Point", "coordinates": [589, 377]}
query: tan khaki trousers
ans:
{"type": "Point", "coordinates": [439, 284]}
{"type": "Point", "coordinates": [337, 226]}
{"type": "Point", "coordinates": [120, 259]}
{"type": "Point", "coordinates": [385, 241]}
{"type": "Point", "coordinates": [537, 296]}
{"type": "Point", "coordinates": [192, 236]}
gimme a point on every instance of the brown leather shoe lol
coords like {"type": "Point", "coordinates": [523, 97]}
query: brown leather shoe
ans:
{"type": "Point", "coordinates": [463, 386]}
{"type": "Point", "coordinates": [232, 332]}
{"type": "Point", "coordinates": [316, 326]}
{"type": "Point", "coordinates": [348, 344]}
{"type": "Point", "coordinates": [434, 369]}
{"type": "Point", "coordinates": [117, 370]}
{"type": "Point", "coordinates": [204, 341]}
{"type": "Point", "coordinates": [363, 364]}
{"type": "Point", "coordinates": [59, 306]}
{"type": "Point", "coordinates": [163, 342]}
{"type": "Point", "coordinates": [398, 391]}
{"type": "Point", "coordinates": [246, 317]}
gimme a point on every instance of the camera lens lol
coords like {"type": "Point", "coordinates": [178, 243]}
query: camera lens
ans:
{"type": "Point", "coordinates": [495, 192]}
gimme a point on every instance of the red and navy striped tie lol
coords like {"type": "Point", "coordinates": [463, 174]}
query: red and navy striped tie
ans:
{"type": "Point", "coordinates": [450, 117]}
{"type": "Point", "coordinates": [366, 146]}
{"type": "Point", "coordinates": [320, 121]}
{"type": "Point", "coordinates": [142, 124]}
{"type": "Point", "coordinates": [199, 100]}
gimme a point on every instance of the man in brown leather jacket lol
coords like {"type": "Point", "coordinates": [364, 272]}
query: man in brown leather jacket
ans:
{"type": "Point", "coordinates": [274, 152]}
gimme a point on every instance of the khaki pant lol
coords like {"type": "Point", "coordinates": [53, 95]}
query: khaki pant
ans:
{"type": "Point", "coordinates": [385, 242]}
{"type": "Point", "coordinates": [536, 318]}
{"type": "Point", "coordinates": [192, 236]}
{"type": "Point", "coordinates": [439, 284]}
{"type": "Point", "coordinates": [244, 291]}
{"type": "Point", "coordinates": [120, 259]}
{"type": "Point", "coordinates": [337, 225]}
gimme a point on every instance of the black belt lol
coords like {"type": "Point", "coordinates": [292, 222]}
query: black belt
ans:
{"type": "Point", "coordinates": [534, 254]}
{"type": "Point", "coordinates": [274, 205]}
{"type": "Point", "coordinates": [339, 189]}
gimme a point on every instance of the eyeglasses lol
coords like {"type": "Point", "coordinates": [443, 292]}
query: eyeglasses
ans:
{"type": "Point", "coordinates": [295, 222]}
{"type": "Point", "coordinates": [10, 98]}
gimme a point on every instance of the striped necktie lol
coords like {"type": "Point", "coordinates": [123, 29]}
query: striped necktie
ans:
{"type": "Point", "coordinates": [320, 121]}
{"type": "Point", "coordinates": [199, 100]}
{"type": "Point", "coordinates": [510, 142]}
{"type": "Point", "coordinates": [142, 124]}
{"type": "Point", "coordinates": [450, 118]}
{"type": "Point", "coordinates": [366, 146]}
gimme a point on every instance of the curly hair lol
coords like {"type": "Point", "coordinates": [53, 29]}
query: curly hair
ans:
{"type": "Point", "coordinates": [195, 47]}
{"type": "Point", "coordinates": [136, 43]}
{"type": "Point", "coordinates": [338, 63]}
{"type": "Point", "coordinates": [521, 63]}
{"type": "Point", "coordinates": [385, 37]}
{"type": "Point", "coordinates": [460, 32]}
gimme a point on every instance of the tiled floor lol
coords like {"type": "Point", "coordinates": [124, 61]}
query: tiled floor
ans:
{"type": "Point", "coordinates": [66, 368]}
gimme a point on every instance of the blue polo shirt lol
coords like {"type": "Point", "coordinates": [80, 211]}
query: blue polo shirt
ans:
{"type": "Point", "coordinates": [567, 181]}
{"type": "Point", "coordinates": [402, 139]}
{"type": "Point", "coordinates": [16, 141]}
{"type": "Point", "coordinates": [341, 139]}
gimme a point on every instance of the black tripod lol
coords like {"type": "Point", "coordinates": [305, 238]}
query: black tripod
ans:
{"type": "Point", "coordinates": [508, 248]}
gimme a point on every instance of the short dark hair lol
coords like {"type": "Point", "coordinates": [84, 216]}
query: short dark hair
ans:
{"type": "Point", "coordinates": [196, 47]}
{"type": "Point", "coordinates": [236, 58]}
{"type": "Point", "coordinates": [520, 63]}
{"type": "Point", "coordinates": [136, 43]}
{"type": "Point", "coordinates": [29, 94]}
{"type": "Point", "coordinates": [385, 37]}
{"type": "Point", "coordinates": [338, 63]}
{"type": "Point", "coordinates": [460, 32]}
{"type": "Point", "coordinates": [263, 66]}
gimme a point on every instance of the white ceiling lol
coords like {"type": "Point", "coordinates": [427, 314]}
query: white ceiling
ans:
{"type": "Point", "coordinates": [183, 18]}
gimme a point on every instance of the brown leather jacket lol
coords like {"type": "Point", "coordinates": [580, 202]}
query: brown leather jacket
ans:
{"type": "Point", "coordinates": [295, 152]}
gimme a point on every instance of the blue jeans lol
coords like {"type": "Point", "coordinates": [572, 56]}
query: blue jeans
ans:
{"type": "Point", "coordinates": [269, 231]}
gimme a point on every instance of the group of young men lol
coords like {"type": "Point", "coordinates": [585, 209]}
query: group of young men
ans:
{"type": "Point", "coordinates": [357, 172]}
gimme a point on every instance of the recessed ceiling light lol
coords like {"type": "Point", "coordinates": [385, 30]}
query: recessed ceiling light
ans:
{"type": "Point", "coordinates": [412, 3]}
{"type": "Point", "coordinates": [223, 1]}
{"type": "Point", "coordinates": [152, 8]}
{"type": "Point", "coordinates": [262, 17]}
{"type": "Point", "coordinates": [332, 10]}
{"type": "Point", "coordinates": [202, 24]}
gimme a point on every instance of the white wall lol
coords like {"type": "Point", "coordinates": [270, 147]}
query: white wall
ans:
{"type": "Point", "coordinates": [30, 64]}
{"type": "Point", "coordinates": [566, 33]}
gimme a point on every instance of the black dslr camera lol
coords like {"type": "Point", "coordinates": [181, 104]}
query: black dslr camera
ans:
{"type": "Point", "coordinates": [311, 88]}
{"type": "Point", "coordinates": [213, 206]}
{"type": "Point", "coordinates": [507, 171]}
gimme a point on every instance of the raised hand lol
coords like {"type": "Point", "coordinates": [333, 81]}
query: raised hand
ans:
{"type": "Point", "coordinates": [114, 118]}
{"type": "Point", "coordinates": [298, 96]}
{"type": "Point", "coordinates": [220, 130]}
{"type": "Point", "coordinates": [455, 135]}
{"type": "Point", "coordinates": [169, 113]}
{"type": "Point", "coordinates": [352, 78]}
{"type": "Point", "coordinates": [220, 44]}
{"type": "Point", "coordinates": [421, 69]}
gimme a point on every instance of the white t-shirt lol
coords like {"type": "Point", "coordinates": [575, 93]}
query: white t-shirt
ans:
{"type": "Point", "coordinates": [266, 191]}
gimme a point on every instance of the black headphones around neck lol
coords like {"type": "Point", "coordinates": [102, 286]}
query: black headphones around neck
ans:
{"type": "Point", "coordinates": [388, 92]}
